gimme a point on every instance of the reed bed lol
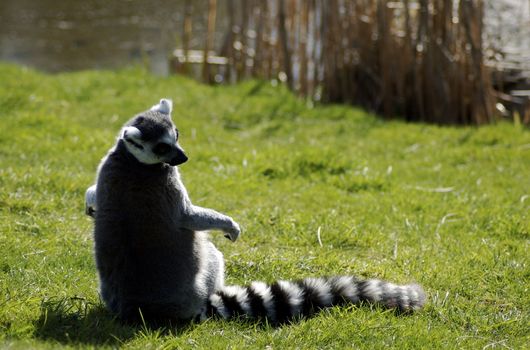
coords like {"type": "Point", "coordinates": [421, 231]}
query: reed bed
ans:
{"type": "Point", "coordinates": [421, 60]}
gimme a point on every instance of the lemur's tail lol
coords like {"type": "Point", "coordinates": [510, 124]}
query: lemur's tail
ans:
{"type": "Point", "coordinates": [284, 300]}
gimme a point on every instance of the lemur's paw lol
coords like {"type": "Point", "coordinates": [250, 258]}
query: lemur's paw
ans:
{"type": "Point", "coordinates": [233, 232]}
{"type": "Point", "coordinates": [90, 201]}
{"type": "Point", "coordinates": [90, 211]}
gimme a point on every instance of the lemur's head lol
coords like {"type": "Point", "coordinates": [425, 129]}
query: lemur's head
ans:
{"type": "Point", "coordinates": [152, 138]}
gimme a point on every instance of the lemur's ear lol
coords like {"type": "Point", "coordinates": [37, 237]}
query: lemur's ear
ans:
{"type": "Point", "coordinates": [130, 133]}
{"type": "Point", "coordinates": [165, 106]}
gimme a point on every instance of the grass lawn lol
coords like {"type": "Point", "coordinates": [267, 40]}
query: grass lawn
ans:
{"type": "Point", "coordinates": [446, 207]}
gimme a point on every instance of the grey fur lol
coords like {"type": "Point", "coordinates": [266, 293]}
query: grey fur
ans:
{"type": "Point", "coordinates": [153, 255]}
{"type": "Point", "coordinates": [150, 250]}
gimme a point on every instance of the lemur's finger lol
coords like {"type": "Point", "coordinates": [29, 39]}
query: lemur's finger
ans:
{"type": "Point", "coordinates": [90, 211]}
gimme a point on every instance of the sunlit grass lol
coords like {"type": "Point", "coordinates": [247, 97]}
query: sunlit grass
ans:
{"type": "Point", "coordinates": [445, 207]}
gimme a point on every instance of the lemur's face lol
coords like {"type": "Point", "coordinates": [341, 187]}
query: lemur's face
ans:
{"type": "Point", "coordinates": [152, 138]}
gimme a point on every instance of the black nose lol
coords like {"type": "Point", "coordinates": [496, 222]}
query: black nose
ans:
{"type": "Point", "coordinates": [179, 159]}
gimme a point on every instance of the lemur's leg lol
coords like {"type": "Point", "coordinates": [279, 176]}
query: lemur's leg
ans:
{"type": "Point", "coordinates": [216, 269]}
{"type": "Point", "coordinates": [215, 275]}
{"type": "Point", "coordinates": [90, 201]}
{"type": "Point", "coordinates": [202, 219]}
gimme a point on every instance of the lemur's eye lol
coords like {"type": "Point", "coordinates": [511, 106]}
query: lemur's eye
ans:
{"type": "Point", "coordinates": [161, 148]}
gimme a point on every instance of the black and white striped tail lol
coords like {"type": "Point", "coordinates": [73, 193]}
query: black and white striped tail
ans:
{"type": "Point", "coordinates": [284, 300]}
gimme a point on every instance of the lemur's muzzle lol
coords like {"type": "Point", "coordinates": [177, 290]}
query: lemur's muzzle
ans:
{"type": "Point", "coordinates": [178, 159]}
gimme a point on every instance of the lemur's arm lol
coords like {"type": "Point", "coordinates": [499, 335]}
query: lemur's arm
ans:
{"type": "Point", "coordinates": [201, 219]}
{"type": "Point", "coordinates": [195, 218]}
{"type": "Point", "coordinates": [90, 201]}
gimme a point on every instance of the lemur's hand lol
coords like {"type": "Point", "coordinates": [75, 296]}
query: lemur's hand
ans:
{"type": "Point", "coordinates": [90, 201]}
{"type": "Point", "coordinates": [233, 232]}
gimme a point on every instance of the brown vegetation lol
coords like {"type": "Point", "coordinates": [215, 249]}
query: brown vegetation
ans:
{"type": "Point", "coordinates": [419, 59]}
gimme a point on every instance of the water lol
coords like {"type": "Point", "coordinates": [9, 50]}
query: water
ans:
{"type": "Point", "coordinates": [61, 35]}
{"type": "Point", "coordinates": [57, 35]}
{"type": "Point", "coordinates": [508, 27]}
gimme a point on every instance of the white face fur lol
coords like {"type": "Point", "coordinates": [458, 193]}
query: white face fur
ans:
{"type": "Point", "coordinates": [164, 149]}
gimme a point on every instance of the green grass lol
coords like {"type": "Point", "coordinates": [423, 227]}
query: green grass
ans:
{"type": "Point", "coordinates": [447, 207]}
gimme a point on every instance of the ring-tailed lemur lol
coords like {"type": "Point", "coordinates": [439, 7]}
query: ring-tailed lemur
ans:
{"type": "Point", "coordinates": [155, 261]}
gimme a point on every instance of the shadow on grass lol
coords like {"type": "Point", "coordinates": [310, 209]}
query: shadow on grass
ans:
{"type": "Point", "coordinates": [76, 320]}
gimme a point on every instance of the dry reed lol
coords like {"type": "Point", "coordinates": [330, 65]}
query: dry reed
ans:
{"type": "Point", "coordinates": [422, 60]}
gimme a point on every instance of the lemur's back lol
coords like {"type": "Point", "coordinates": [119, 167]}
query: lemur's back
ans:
{"type": "Point", "coordinates": [141, 252]}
